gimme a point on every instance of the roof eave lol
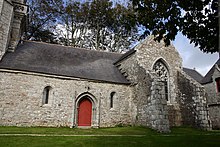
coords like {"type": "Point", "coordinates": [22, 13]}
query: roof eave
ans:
{"type": "Point", "coordinates": [60, 76]}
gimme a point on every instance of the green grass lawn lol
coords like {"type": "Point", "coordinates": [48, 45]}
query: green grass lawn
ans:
{"type": "Point", "coordinates": [179, 137]}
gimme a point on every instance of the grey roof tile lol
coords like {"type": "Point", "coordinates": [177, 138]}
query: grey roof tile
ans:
{"type": "Point", "coordinates": [208, 76]}
{"type": "Point", "coordinates": [126, 55]}
{"type": "Point", "coordinates": [193, 74]}
{"type": "Point", "coordinates": [64, 61]}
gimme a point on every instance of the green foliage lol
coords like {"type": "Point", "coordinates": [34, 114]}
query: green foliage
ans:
{"type": "Point", "coordinates": [41, 18]}
{"type": "Point", "coordinates": [196, 19]}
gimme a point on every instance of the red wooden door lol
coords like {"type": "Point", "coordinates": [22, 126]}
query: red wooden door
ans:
{"type": "Point", "coordinates": [85, 113]}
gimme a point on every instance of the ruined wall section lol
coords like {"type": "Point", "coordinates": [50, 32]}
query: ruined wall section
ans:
{"type": "Point", "coordinates": [149, 51]}
{"type": "Point", "coordinates": [193, 104]}
{"type": "Point", "coordinates": [149, 104]}
{"type": "Point", "coordinates": [157, 109]}
{"type": "Point", "coordinates": [153, 51]}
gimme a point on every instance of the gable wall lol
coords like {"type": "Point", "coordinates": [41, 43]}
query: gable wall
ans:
{"type": "Point", "coordinates": [214, 96]}
{"type": "Point", "coordinates": [213, 100]}
{"type": "Point", "coordinates": [150, 51]}
{"type": "Point", "coordinates": [148, 96]}
{"type": "Point", "coordinates": [147, 54]}
{"type": "Point", "coordinates": [21, 101]}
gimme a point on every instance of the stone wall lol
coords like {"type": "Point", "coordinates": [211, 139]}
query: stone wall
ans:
{"type": "Point", "coordinates": [1, 5]}
{"type": "Point", "coordinates": [130, 69]}
{"type": "Point", "coordinates": [149, 51]}
{"type": "Point", "coordinates": [193, 104]}
{"type": "Point", "coordinates": [213, 95]}
{"type": "Point", "coordinates": [6, 14]}
{"type": "Point", "coordinates": [157, 109]}
{"type": "Point", "coordinates": [148, 102]}
{"type": "Point", "coordinates": [174, 115]}
{"type": "Point", "coordinates": [187, 101]}
{"type": "Point", "coordinates": [213, 100]}
{"type": "Point", "coordinates": [214, 110]}
{"type": "Point", "coordinates": [141, 89]}
{"type": "Point", "coordinates": [21, 100]}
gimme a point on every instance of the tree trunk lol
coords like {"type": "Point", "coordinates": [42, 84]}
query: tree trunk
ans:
{"type": "Point", "coordinates": [97, 39]}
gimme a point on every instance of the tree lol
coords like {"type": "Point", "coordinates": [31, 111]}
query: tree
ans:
{"type": "Point", "coordinates": [196, 19]}
{"type": "Point", "coordinates": [113, 27]}
{"type": "Point", "coordinates": [124, 27]}
{"type": "Point", "coordinates": [97, 24]}
{"type": "Point", "coordinates": [41, 18]}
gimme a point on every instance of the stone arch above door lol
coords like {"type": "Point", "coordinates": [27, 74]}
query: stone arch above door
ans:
{"type": "Point", "coordinates": [86, 103]}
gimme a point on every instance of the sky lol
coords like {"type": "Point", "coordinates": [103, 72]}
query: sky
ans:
{"type": "Point", "coordinates": [193, 57]}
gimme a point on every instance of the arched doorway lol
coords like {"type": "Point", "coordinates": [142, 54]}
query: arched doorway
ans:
{"type": "Point", "coordinates": [85, 112]}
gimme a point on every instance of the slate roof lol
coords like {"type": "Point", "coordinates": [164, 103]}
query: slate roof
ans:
{"type": "Point", "coordinates": [126, 55]}
{"type": "Point", "coordinates": [193, 74]}
{"type": "Point", "coordinates": [64, 61]}
{"type": "Point", "coordinates": [208, 76]}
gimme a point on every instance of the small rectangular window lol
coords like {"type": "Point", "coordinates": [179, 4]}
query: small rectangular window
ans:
{"type": "Point", "coordinates": [112, 99]}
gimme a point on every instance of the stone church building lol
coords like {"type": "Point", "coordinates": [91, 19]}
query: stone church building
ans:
{"type": "Point", "coordinates": [44, 84]}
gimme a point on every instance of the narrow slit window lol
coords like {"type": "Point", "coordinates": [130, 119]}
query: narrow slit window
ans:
{"type": "Point", "coordinates": [112, 99]}
{"type": "Point", "coordinates": [46, 94]}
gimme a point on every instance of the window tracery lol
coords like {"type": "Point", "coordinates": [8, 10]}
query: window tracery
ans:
{"type": "Point", "coordinates": [162, 72]}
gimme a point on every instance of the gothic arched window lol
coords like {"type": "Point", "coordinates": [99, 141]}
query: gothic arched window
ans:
{"type": "Point", "coordinates": [163, 73]}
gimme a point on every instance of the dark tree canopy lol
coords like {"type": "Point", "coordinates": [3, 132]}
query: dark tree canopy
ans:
{"type": "Point", "coordinates": [196, 19]}
{"type": "Point", "coordinates": [41, 18]}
